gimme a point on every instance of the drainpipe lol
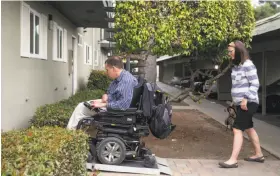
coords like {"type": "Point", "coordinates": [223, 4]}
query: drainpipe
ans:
{"type": "Point", "coordinates": [128, 64]}
{"type": "Point", "coordinates": [264, 62]}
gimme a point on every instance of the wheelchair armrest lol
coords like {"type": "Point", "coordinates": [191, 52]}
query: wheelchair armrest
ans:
{"type": "Point", "coordinates": [118, 111]}
{"type": "Point", "coordinates": [131, 110]}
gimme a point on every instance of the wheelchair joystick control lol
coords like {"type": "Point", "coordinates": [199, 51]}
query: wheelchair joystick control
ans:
{"type": "Point", "coordinates": [88, 105]}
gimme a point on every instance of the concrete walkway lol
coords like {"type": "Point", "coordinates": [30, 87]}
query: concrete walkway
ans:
{"type": "Point", "coordinates": [269, 135]}
{"type": "Point", "coordinates": [192, 167]}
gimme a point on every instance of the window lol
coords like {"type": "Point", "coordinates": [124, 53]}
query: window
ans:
{"type": "Point", "coordinates": [59, 42]}
{"type": "Point", "coordinates": [80, 40]}
{"type": "Point", "coordinates": [33, 33]}
{"type": "Point", "coordinates": [60, 50]}
{"type": "Point", "coordinates": [88, 54]}
{"type": "Point", "coordinates": [96, 57]}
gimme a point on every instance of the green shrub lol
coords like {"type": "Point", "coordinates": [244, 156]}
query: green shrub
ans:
{"type": "Point", "coordinates": [84, 95]}
{"type": "Point", "coordinates": [98, 80]}
{"type": "Point", "coordinates": [47, 151]}
{"type": "Point", "coordinates": [58, 114]}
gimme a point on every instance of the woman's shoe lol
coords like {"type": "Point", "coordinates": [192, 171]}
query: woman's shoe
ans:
{"type": "Point", "coordinates": [224, 165]}
{"type": "Point", "coordinates": [259, 159]}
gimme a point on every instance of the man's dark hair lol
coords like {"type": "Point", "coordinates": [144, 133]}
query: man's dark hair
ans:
{"type": "Point", "coordinates": [115, 61]}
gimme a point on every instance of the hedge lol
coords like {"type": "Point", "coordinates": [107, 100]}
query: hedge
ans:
{"type": "Point", "coordinates": [47, 151]}
{"type": "Point", "coordinates": [58, 114]}
{"type": "Point", "coordinates": [98, 80]}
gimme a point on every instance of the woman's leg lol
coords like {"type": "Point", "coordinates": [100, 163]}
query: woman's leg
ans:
{"type": "Point", "coordinates": [251, 132]}
{"type": "Point", "coordinates": [237, 144]}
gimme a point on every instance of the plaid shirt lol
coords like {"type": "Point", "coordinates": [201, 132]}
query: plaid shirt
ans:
{"type": "Point", "coordinates": [245, 83]}
{"type": "Point", "coordinates": [120, 91]}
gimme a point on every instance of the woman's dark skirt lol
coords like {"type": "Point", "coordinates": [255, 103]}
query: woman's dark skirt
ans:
{"type": "Point", "coordinates": [243, 119]}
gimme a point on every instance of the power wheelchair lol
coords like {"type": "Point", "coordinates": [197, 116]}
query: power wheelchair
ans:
{"type": "Point", "coordinates": [119, 132]}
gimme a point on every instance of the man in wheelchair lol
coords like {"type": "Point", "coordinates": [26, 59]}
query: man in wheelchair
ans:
{"type": "Point", "coordinates": [119, 127]}
{"type": "Point", "coordinates": [119, 94]}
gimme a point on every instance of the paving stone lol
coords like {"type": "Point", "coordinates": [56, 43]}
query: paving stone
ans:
{"type": "Point", "coordinates": [209, 163]}
{"type": "Point", "coordinates": [176, 173]}
{"type": "Point", "coordinates": [173, 167]}
{"type": "Point", "coordinates": [195, 165]}
{"type": "Point", "coordinates": [184, 170]}
{"type": "Point", "coordinates": [180, 161]}
{"type": "Point", "coordinates": [182, 165]}
{"type": "Point", "coordinates": [206, 172]}
{"type": "Point", "coordinates": [193, 174]}
{"type": "Point", "coordinates": [170, 162]}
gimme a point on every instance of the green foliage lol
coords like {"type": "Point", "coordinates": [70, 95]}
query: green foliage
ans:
{"type": "Point", "coordinates": [84, 95]}
{"type": "Point", "coordinates": [182, 27]}
{"type": "Point", "coordinates": [266, 10]}
{"type": "Point", "coordinates": [48, 151]}
{"type": "Point", "coordinates": [58, 114]}
{"type": "Point", "coordinates": [98, 80]}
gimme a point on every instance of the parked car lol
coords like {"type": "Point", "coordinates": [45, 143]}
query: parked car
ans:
{"type": "Point", "coordinates": [207, 86]}
{"type": "Point", "coordinates": [175, 80]}
{"type": "Point", "coordinates": [185, 82]}
{"type": "Point", "coordinates": [272, 97]}
{"type": "Point", "coordinates": [198, 87]}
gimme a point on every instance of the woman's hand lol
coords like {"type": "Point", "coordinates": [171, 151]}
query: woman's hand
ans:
{"type": "Point", "coordinates": [243, 104]}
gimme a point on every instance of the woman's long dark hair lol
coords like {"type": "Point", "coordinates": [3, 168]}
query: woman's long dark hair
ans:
{"type": "Point", "coordinates": [241, 53]}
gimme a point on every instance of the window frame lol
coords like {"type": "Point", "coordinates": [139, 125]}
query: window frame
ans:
{"type": "Point", "coordinates": [25, 33]}
{"type": "Point", "coordinates": [59, 51]}
{"type": "Point", "coordinates": [59, 54]}
{"type": "Point", "coordinates": [87, 54]}
{"type": "Point", "coordinates": [34, 55]}
{"type": "Point", "coordinates": [80, 40]}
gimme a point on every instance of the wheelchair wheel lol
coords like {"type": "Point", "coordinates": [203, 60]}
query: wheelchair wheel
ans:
{"type": "Point", "coordinates": [111, 151]}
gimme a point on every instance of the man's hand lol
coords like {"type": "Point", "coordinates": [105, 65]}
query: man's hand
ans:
{"type": "Point", "coordinates": [243, 104]}
{"type": "Point", "coordinates": [96, 100]}
{"type": "Point", "coordinates": [104, 98]}
{"type": "Point", "coordinates": [98, 105]}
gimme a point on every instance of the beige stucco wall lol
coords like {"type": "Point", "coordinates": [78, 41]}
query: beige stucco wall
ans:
{"type": "Point", "coordinates": [28, 83]}
{"type": "Point", "coordinates": [83, 69]}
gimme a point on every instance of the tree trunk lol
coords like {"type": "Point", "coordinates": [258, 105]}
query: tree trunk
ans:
{"type": "Point", "coordinates": [141, 70]}
{"type": "Point", "coordinates": [151, 69]}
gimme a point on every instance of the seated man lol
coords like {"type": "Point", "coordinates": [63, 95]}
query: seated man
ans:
{"type": "Point", "coordinates": [119, 94]}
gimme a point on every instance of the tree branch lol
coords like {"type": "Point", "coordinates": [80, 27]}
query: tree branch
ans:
{"type": "Point", "coordinates": [211, 82]}
{"type": "Point", "coordinates": [189, 91]}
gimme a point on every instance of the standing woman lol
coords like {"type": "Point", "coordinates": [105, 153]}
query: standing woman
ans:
{"type": "Point", "coordinates": [244, 92]}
